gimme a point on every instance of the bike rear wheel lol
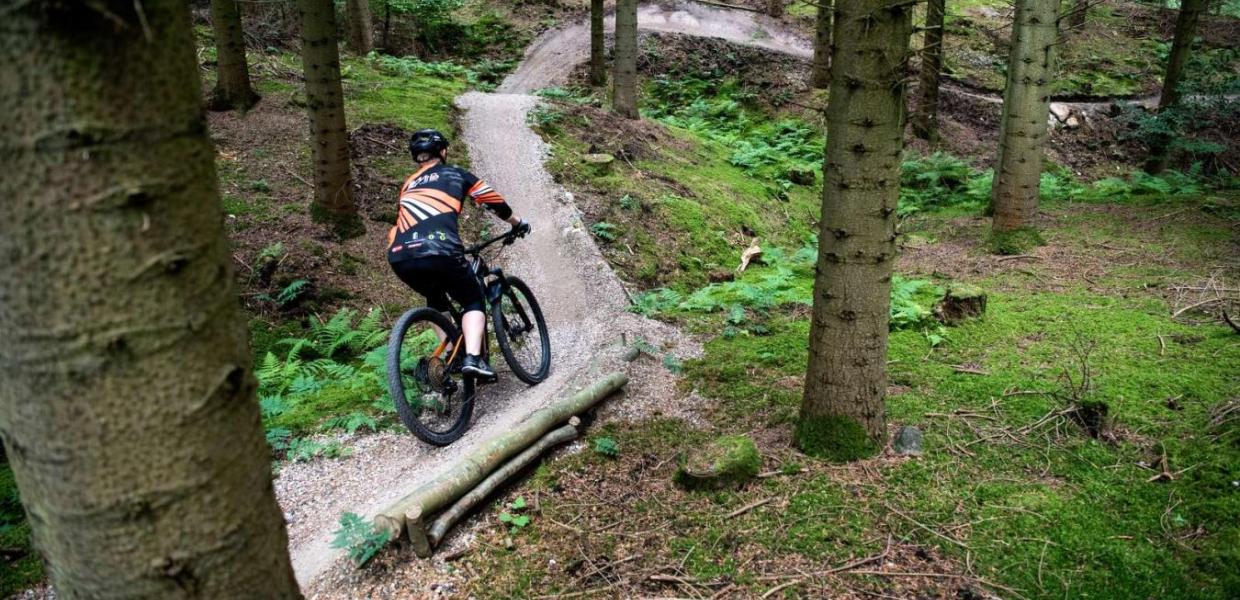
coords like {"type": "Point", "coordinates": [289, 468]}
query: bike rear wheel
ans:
{"type": "Point", "coordinates": [433, 399]}
{"type": "Point", "coordinates": [521, 332]}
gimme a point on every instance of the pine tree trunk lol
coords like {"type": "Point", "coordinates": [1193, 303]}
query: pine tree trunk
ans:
{"type": "Point", "coordinates": [361, 30]}
{"type": "Point", "coordinates": [1076, 17]}
{"type": "Point", "coordinates": [232, 85]}
{"type": "Point", "coordinates": [598, 62]}
{"type": "Point", "coordinates": [842, 412]}
{"type": "Point", "coordinates": [775, 8]}
{"type": "Point", "coordinates": [624, 77]}
{"type": "Point", "coordinates": [820, 74]}
{"type": "Point", "coordinates": [387, 26]}
{"type": "Point", "coordinates": [926, 120]}
{"type": "Point", "coordinates": [1026, 108]}
{"type": "Point", "coordinates": [127, 398]}
{"type": "Point", "coordinates": [1181, 47]}
{"type": "Point", "coordinates": [333, 180]}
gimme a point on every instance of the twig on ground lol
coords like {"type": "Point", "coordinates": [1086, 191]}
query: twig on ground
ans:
{"type": "Point", "coordinates": [1018, 256]}
{"type": "Point", "coordinates": [748, 507]}
{"type": "Point", "coordinates": [797, 579]}
{"type": "Point", "coordinates": [1162, 345]}
{"type": "Point", "coordinates": [933, 532]}
{"type": "Point", "coordinates": [976, 580]}
{"type": "Point", "coordinates": [1227, 319]}
{"type": "Point", "coordinates": [1196, 305]}
{"type": "Point", "coordinates": [296, 176]}
{"type": "Point", "coordinates": [969, 370]}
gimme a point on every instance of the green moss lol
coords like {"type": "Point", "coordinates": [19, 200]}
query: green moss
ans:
{"type": "Point", "coordinates": [836, 438]}
{"type": "Point", "coordinates": [724, 463]}
{"type": "Point", "coordinates": [1017, 241]}
{"type": "Point", "coordinates": [15, 534]}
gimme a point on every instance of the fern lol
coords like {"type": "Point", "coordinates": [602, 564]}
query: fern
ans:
{"type": "Point", "coordinates": [291, 292]}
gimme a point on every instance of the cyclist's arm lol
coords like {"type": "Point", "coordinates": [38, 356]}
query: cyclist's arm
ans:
{"type": "Point", "coordinates": [485, 196]}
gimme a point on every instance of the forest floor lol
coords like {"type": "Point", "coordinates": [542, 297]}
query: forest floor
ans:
{"type": "Point", "coordinates": [1013, 497]}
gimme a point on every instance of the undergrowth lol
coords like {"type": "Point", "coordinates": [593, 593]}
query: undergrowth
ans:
{"type": "Point", "coordinates": [329, 378]}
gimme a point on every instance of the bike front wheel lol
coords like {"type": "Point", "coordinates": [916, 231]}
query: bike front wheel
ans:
{"type": "Point", "coordinates": [521, 332]}
{"type": "Point", "coordinates": [433, 399]}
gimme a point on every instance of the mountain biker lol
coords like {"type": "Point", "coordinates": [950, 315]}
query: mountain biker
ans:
{"type": "Point", "coordinates": [424, 247]}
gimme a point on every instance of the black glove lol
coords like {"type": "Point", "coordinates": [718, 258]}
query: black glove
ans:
{"type": "Point", "coordinates": [522, 228]}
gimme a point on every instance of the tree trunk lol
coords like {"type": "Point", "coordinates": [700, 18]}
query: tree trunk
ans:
{"type": "Point", "coordinates": [387, 26]}
{"type": "Point", "coordinates": [361, 30]}
{"type": "Point", "coordinates": [624, 77]}
{"type": "Point", "coordinates": [1076, 17]}
{"type": "Point", "coordinates": [1181, 47]}
{"type": "Point", "coordinates": [1026, 108]}
{"type": "Point", "coordinates": [598, 62]}
{"type": "Point", "coordinates": [842, 408]}
{"type": "Point", "coordinates": [775, 8]}
{"type": "Point", "coordinates": [926, 120]}
{"type": "Point", "coordinates": [333, 180]}
{"type": "Point", "coordinates": [820, 75]}
{"type": "Point", "coordinates": [232, 85]}
{"type": "Point", "coordinates": [127, 398]}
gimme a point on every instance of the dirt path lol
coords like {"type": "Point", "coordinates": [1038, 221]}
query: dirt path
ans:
{"type": "Point", "coordinates": [583, 299]}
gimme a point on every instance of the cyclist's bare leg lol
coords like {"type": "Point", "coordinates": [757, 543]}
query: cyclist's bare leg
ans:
{"type": "Point", "coordinates": [474, 323]}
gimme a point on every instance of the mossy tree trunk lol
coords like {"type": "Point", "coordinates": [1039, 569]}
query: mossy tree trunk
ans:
{"type": "Point", "coordinates": [775, 8]}
{"type": "Point", "coordinates": [1181, 47]}
{"type": "Point", "coordinates": [624, 76]}
{"type": "Point", "coordinates": [1026, 108]}
{"type": "Point", "coordinates": [127, 398]}
{"type": "Point", "coordinates": [842, 411]}
{"type": "Point", "coordinates": [361, 29]}
{"type": "Point", "coordinates": [232, 84]}
{"type": "Point", "coordinates": [598, 60]}
{"type": "Point", "coordinates": [820, 73]}
{"type": "Point", "coordinates": [926, 119]}
{"type": "Point", "coordinates": [333, 180]}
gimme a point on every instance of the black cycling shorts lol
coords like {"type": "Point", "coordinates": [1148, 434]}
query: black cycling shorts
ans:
{"type": "Point", "coordinates": [439, 278]}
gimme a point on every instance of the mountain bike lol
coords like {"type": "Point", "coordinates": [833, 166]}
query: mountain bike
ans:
{"type": "Point", "coordinates": [434, 399]}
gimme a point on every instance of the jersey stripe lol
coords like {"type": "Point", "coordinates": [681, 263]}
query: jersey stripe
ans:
{"type": "Point", "coordinates": [416, 209]}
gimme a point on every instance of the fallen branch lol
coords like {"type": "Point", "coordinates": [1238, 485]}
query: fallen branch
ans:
{"type": "Point", "coordinates": [489, 455]}
{"type": "Point", "coordinates": [748, 507]}
{"type": "Point", "coordinates": [969, 370]}
{"type": "Point", "coordinates": [449, 517]}
{"type": "Point", "coordinates": [846, 567]}
{"type": "Point", "coordinates": [1227, 319]}
{"type": "Point", "coordinates": [1018, 256]}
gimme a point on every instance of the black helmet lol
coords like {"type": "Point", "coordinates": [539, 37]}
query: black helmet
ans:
{"type": "Point", "coordinates": [427, 141]}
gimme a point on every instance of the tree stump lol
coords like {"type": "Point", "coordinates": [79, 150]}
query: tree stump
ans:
{"type": "Point", "coordinates": [961, 302]}
{"type": "Point", "coordinates": [727, 462]}
{"type": "Point", "coordinates": [599, 164]}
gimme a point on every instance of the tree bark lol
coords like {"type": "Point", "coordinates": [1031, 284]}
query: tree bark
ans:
{"type": "Point", "coordinates": [775, 8]}
{"type": "Point", "coordinates": [1026, 108]}
{"type": "Point", "coordinates": [361, 30]}
{"type": "Point", "coordinates": [820, 74]}
{"type": "Point", "coordinates": [1181, 47]}
{"type": "Point", "coordinates": [333, 180]}
{"type": "Point", "coordinates": [842, 411]}
{"type": "Point", "coordinates": [127, 398]}
{"type": "Point", "coordinates": [598, 60]}
{"type": "Point", "coordinates": [624, 76]}
{"type": "Point", "coordinates": [926, 119]}
{"type": "Point", "coordinates": [232, 84]}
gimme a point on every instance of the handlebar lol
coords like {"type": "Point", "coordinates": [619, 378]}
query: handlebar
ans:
{"type": "Point", "coordinates": [507, 238]}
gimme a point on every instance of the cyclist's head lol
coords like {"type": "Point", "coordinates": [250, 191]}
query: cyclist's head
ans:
{"type": "Point", "coordinates": [427, 144]}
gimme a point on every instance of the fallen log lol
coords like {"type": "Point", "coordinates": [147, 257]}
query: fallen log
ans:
{"type": "Point", "coordinates": [449, 517]}
{"type": "Point", "coordinates": [438, 493]}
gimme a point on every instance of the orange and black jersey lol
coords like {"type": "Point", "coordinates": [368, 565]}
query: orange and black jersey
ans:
{"type": "Point", "coordinates": [430, 205]}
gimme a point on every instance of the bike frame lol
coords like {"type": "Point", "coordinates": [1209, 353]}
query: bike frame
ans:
{"type": "Point", "coordinates": [493, 284]}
